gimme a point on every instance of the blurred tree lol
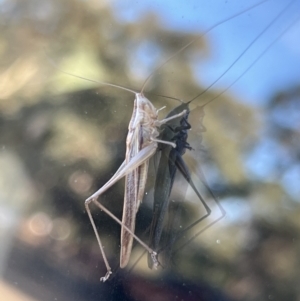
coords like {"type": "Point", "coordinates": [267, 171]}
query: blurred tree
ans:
{"type": "Point", "coordinates": [67, 136]}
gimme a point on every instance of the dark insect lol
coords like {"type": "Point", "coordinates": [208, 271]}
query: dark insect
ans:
{"type": "Point", "coordinates": [171, 159]}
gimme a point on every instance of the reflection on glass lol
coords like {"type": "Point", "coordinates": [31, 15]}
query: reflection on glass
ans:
{"type": "Point", "coordinates": [62, 138]}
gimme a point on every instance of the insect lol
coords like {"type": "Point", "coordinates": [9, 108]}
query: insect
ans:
{"type": "Point", "coordinates": [171, 160]}
{"type": "Point", "coordinates": [141, 145]}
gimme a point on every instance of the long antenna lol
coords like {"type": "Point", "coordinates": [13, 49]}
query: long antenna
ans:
{"type": "Point", "coordinates": [241, 55]}
{"type": "Point", "coordinates": [198, 38]}
{"type": "Point", "coordinates": [87, 79]}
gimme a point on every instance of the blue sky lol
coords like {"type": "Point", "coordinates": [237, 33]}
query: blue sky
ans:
{"type": "Point", "coordinates": [278, 68]}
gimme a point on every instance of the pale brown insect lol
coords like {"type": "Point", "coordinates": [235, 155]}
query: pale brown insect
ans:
{"type": "Point", "coordinates": [141, 145]}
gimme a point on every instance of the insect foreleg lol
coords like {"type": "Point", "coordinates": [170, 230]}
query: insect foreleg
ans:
{"type": "Point", "coordinates": [165, 120]}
